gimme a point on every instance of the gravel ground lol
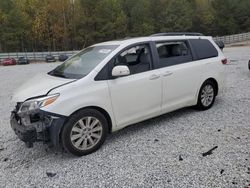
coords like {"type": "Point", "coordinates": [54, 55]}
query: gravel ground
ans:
{"type": "Point", "coordinates": [162, 152]}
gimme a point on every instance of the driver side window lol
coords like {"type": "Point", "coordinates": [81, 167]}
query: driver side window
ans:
{"type": "Point", "coordinates": [137, 58]}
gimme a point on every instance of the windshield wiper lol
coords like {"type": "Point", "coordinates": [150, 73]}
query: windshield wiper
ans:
{"type": "Point", "coordinates": [60, 75]}
{"type": "Point", "coordinates": [57, 74]}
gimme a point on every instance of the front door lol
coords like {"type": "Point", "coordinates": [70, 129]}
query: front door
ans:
{"type": "Point", "coordinates": [137, 96]}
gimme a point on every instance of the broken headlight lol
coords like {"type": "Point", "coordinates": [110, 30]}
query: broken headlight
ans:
{"type": "Point", "coordinates": [35, 104]}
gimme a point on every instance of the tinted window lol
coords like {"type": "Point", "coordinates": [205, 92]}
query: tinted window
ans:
{"type": "Point", "coordinates": [203, 48]}
{"type": "Point", "coordinates": [84, 62]}
{"type": "Point", "coordinates": [137, 58]}
{"type": "Point", "coordinates": [173, 52]}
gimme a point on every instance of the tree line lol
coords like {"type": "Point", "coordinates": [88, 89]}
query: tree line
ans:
{"type": "Point", "coordinates": [35, 25]}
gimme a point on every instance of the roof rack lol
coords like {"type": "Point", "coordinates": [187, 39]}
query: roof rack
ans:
{"type": "Point", "coordinates": [177, 34]}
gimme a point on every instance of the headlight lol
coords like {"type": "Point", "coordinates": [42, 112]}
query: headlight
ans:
{"type": "Point", "coordinates": [37, 103]}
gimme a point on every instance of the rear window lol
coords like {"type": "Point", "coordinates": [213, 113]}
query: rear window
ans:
{"type": "Point", "coordinates": [203, 48]}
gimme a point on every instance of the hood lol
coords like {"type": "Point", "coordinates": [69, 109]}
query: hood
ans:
{"type": "Point", "coordinates": [37, 86]}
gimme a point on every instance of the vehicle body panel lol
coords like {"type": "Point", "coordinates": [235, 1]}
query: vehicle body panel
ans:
{"type": "Point", "coordinates": [38, 86]}
{"type": "Point", "coordinates": [135, 97]}
{"type": "Point", "coordinates": [73, 98]}
{"type": "Point", "coordinates": [180, 83]}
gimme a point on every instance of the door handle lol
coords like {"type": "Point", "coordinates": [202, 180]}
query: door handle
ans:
{"type": "Point", "coordinates": [168, 73]}
{"type": "Point", "coordinates": [154, 77]}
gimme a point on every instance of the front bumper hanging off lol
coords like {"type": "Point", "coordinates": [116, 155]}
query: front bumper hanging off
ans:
{"type": "Point", "coordinates": [37, 126]}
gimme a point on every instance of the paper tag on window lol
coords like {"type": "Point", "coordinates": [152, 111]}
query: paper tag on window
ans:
{"type": "Point", "coordinates": [104, 51]}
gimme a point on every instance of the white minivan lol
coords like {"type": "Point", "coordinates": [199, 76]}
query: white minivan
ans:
{"type": "Point", "coordinates": [111, 85]}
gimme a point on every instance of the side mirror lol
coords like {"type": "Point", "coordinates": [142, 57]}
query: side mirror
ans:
{"type": "Point", "coordinates": [120, 70]}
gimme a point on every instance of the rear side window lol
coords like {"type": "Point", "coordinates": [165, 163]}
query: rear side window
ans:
{"type": "Point", "coordinates": [173, 53]}
{"type": "Point", "coordinates": [203, 49]}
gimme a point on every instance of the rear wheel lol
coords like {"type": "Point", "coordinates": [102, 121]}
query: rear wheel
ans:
{"type": "Point", "coordinates": [84, 132]}
{"type": "Point", "coordinates": [206, 96]}
{"type": "Point", "coordinates": [249, 64]}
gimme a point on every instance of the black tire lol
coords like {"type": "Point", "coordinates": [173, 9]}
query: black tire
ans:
{"type": "Point", "coordinates": [249, 64]}
{"type": "Point", "coordinates": [66, 134]}
{"type": "Point", "coordinates": [200, 105]}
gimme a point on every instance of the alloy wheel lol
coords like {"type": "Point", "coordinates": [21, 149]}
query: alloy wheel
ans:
{"type": "Point", "coordinates": [86, 133]}
{"type": "Point", "coordinates": [207, 95]}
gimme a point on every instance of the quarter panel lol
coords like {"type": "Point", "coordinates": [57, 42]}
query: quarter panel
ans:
{"type": "Point", "coordinates": [214, 69]}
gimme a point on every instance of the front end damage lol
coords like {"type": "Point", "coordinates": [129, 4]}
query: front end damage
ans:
{"type": "Point", "coordinates": [36, 126]}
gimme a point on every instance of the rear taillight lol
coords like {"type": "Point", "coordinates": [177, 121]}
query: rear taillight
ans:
{"type": "Point", "coordinates": [224, 61]}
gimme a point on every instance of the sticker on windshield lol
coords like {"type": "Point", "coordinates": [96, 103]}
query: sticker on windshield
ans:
{"type": "Point", "coordinates": [104, 51]}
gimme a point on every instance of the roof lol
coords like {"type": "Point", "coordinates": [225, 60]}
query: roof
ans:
{"type": "Point", "coordinates": [128, 41]}
{"type": "Point", "coordinates": [178, 34]}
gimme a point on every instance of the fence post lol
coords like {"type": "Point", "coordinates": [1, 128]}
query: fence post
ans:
{"type": "Point", "coordinates": [34, 55]}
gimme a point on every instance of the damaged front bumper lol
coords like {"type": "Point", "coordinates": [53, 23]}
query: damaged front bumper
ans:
{"type": "Point", "coordinates": [36, 126]}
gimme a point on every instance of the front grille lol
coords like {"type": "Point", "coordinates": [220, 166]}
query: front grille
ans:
{"type": "Point", "coordinates": [34, 118]}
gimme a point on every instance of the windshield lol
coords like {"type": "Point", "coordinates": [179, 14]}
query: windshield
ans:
{"type": "Point", "coordinates": [83, 63]}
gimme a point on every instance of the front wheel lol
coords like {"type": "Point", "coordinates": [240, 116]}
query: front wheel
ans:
{"type": "Point", "coordinates": [84, 132]}
{"type": "Point", "coordinates": [206, 96]}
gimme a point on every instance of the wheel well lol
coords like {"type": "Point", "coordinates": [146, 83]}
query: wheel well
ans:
{"type": "Point", "coordinates": [104, 112]}
{"type": "Point", "coordinates": [215, 83]}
